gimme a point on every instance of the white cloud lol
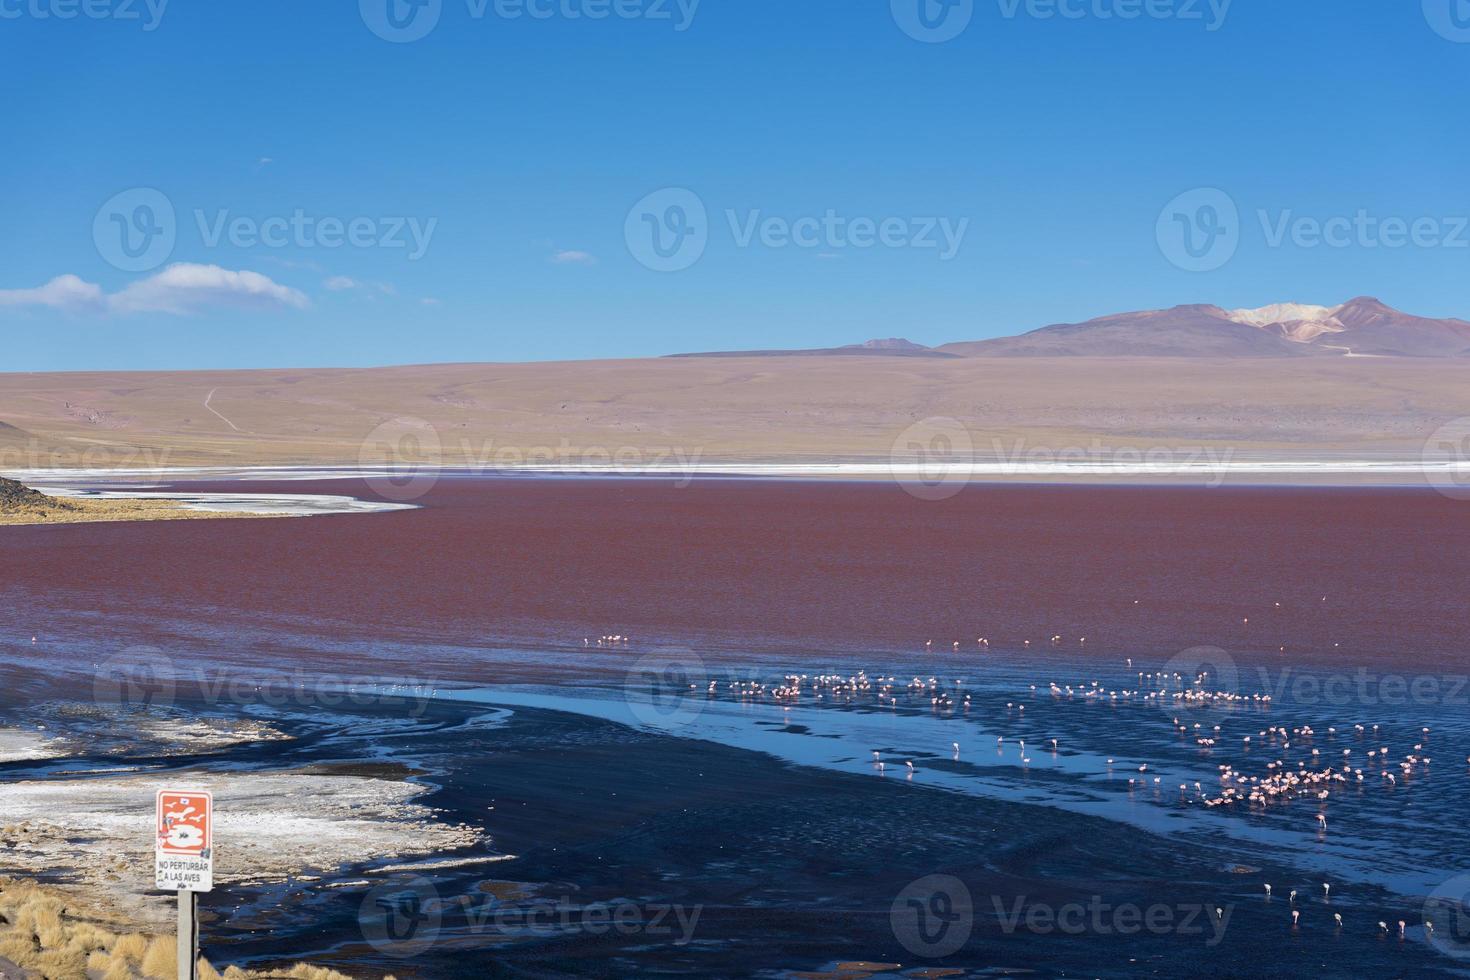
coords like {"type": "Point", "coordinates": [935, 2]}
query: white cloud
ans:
{"type": "Point", "coordinates": [181, 288]}
{"type": "Point", "coordinates": [429, 301]}
{"type": "Point", "coordinates": [62, 293]}
{"type": "Point", "coordinates": [573, 257]}
{"type": "Point", "coordinates": [184, 287]}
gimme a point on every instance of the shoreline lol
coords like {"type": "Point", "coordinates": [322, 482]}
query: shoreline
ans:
{"type": "Point", "coordinates": [548, 855]}
{"type": "Point", "coordinates": [1446, 475]}
{"type": "Point", "coordinates": [114, 511]}
{"type": "Point", "coordinates": [78, 503]}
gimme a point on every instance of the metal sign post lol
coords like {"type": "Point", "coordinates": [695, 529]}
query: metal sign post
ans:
{"type": "Point", "coordinates": [188, 936]}
{"type": "Point", "coordinates": [183, 862]}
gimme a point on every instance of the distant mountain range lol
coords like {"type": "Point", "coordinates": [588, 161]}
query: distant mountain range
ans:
{"type": "Point", "coordinates": [1362, 327]}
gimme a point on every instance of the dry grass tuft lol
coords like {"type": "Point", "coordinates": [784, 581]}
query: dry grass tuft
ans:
{"type": "Point", "coordinates": [304, 971]}
{"type": "Point", "coordinates": [62, 964]}
{"type": "Point", "coordinates": [161, 960]}
{"type": "Point", "coordinates": [118, 970]}
{"type": "Point", "coordinates": [42, 932]}
{"type": "Point", "coordinates": [129, 949]}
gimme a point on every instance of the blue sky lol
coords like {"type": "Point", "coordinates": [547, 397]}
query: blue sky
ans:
{"type": "Point", "coordinates": [1049, 146]}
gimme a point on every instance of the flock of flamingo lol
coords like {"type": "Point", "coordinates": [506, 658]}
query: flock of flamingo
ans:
{"type": "Point", "coordinates": [1322, 765]}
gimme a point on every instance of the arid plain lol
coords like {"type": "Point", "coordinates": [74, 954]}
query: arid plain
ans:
{"type": "Point", "coordinates": [829, 407]}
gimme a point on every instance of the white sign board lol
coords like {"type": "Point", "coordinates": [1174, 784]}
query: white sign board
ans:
{"type": "Point", "coordinates": [183, 854]}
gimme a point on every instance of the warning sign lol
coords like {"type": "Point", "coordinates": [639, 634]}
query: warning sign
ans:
{"type": "Point", "coordinates": [184, 848]}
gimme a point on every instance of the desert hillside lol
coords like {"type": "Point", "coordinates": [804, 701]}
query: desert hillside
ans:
{"type": "Point", "coordinates": [725, 408]}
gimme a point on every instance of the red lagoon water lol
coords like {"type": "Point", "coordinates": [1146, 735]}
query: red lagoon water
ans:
{"type": "Point", "coordinates": [828, 566]}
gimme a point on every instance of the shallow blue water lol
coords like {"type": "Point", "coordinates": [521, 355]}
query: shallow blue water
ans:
{"type": "Point", "coordinates": [1407, 837]}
